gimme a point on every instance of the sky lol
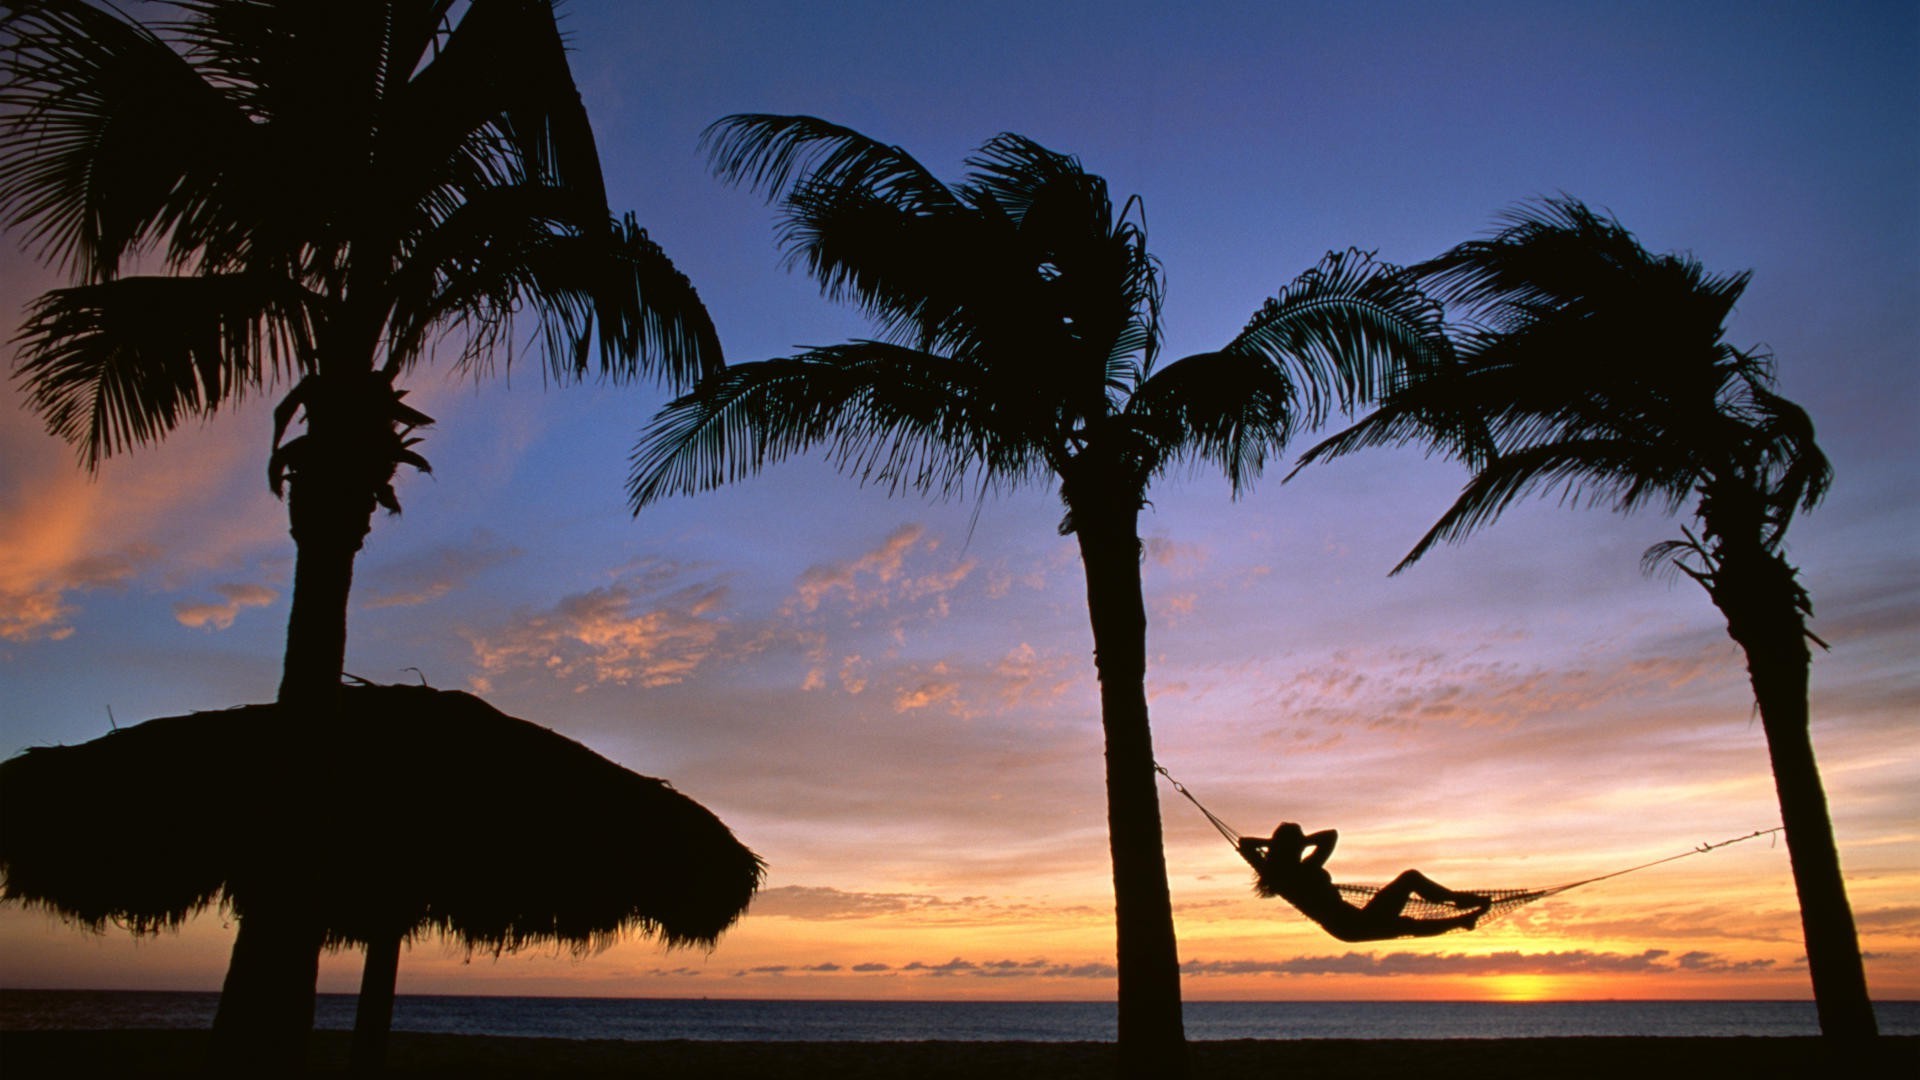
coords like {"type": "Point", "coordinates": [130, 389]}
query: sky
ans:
{"type": "Point", "coordinates": [892, 699]}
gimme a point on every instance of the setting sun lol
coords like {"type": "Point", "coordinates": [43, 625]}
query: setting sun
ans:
{"type": "Point", "coordinates": [1521, 988]}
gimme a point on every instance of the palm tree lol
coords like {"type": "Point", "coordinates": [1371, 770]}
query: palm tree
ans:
{"type": "Point", "coordinates": [275, 192]}
{"type": "Point", "coordinates": [1596, 370]}
{"type": "Point", "coordinates": [1019, 319]}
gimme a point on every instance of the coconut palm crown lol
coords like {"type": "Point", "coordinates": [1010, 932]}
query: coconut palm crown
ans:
{"type": "Point", "coordinates": [1019, 324]}
{"type": "Point", "coordinates": [314, 196]}
{"type": "Point", "coordinates": [1592, 369]}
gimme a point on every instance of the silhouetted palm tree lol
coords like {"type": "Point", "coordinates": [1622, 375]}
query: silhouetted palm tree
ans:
{"type": "Point", "coordinates": [1597, 370]}
{"type": "Point", "coordinates": [279, 192]}
{"type": "Point", "coordinates": [1020, 317]}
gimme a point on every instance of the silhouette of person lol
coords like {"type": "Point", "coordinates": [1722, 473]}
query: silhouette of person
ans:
{"type": "Point", "coordinates": [1292, 866]}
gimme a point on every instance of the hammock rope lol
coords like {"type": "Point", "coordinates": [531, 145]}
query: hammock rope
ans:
{"type": "Point", "coordinates": [1503, 900]}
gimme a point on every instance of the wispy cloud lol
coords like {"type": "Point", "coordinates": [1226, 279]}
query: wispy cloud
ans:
{"type": "Point", "coordinates": [435, 572]}
{"type": "Point", "coordinates": [815, 902]}
{"type": "Point", "coordinates": [64, 532]}
{"type": "Point", "coordinates": [35, 584]}
{"type": "Point", "coordinates": [881, 577]}
{"type": "Point", "coordinates": [220, 614]}
{"type": "Point", "coordinates": [653, 628]}
{"type": "Point", "coordinates": [1578, 961]}
{"type": "Point", "coordinates": [1655, 962]}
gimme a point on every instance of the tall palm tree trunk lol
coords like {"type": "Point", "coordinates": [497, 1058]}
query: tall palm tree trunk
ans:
{"type": "Point", "coordinates": [1152, 1037]}
{"type": "Point", "coordinates": [325, 547]}
{"type": "Point", "coordinates": [267, 1000]}
{"type": "Point", "coordinates": [1759, 596]}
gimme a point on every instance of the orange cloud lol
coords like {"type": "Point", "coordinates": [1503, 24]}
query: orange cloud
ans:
{"type": "Point", "coordinates": [1026, 677]}
{"type": "Point", "coordinates": [220, 616]}
{"type": "Point", "coordinates": [939, 689]}
{"type": "Point", "coordinates": [63, 532]}
{"type": "Point", "coordinates": [816, 902]}
{"type": "Point", "coordinates": [879, 578]}
{"type": "Point", "coordinates": [632, 632]}
{"type": "Point", "coordinates": [882, 564]}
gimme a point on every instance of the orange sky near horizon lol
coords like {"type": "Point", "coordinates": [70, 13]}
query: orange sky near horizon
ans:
{"type": "Point", "coordinates": [893, 701]}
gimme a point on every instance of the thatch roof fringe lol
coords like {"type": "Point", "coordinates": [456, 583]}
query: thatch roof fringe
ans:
{"type": "Point", "coordinates": [421, 809]}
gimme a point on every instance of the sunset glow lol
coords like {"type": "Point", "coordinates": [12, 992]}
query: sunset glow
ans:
{"type": "Point", "coordinates": [893, 701]}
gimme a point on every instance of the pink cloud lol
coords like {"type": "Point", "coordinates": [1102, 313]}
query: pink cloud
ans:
{"type": "Point", "coordinates": [881, 578]}
{"type": "Point", "coordinates": [432, 574]}
{"type": "Point", "coordinates": [936, 690]}
{"type": "Point", "coordinates": [219, 615]}
{"type": "Point", "coordinates": [1027, 677]}
{"type": "Point", "coordinates": [645, 630]}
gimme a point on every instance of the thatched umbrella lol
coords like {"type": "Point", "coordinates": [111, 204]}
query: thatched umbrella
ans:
{"type": "Point", "coordinates": [418, 810]}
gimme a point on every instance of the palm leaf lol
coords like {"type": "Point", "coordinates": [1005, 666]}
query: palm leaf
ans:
{"type": "Point", "coordinates": [1228, 408]}
{"type": "Point", "coordinates": [1344, 332]}
{"type": "Point", "coordinates": [772, 153]}
{"type": "Point", "coordinates": [512, 252]}
{"type": "Point", "coordinates": [887, 414]}
{"type": "Point", "coordinates": [1625, 473]}
{"type": "Point", "coordinates": [118, 364]}
{"type": "Point", "coordinates": [107, 137]}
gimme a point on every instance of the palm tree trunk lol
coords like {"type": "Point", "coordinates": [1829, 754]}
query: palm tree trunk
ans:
{"type": "Point", "coordinates": [1759, 597]}
{"type": "Point", "coordinates": [1152, 1037]}
{"type": "Point", "coordinates": [267, 1001]}
{"type": "Point", "coordinates": [330, 508]}
{"type": "Point", "coordinates": [373, 1012]}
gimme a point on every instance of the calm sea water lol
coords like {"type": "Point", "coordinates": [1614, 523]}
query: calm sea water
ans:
{"type": "Point", "coordinates": [626, 1018]}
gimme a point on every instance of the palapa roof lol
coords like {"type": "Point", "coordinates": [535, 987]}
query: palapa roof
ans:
{"type": "Point", "coordinates": [417, 809]}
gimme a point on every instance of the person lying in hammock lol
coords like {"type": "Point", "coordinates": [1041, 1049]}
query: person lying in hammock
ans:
{"type": "Point", "coordinates": [1292, 865]}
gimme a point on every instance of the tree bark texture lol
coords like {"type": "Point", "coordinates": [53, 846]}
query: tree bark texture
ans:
{"type": "Point", "coordinates": [1758, 594]}
{"type": "Point", "coordinates": [1152, 1037]}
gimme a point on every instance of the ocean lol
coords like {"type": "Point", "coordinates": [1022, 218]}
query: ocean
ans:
{"type": "Point", "coordinates": [874, 1021]}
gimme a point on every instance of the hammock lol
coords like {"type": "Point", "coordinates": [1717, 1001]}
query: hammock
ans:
{"type": "Point", "coordinates": [1420, 909]}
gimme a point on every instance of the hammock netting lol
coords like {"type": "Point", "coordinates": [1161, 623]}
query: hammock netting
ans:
{"type": "Point", "coordinates": [1420, 909]}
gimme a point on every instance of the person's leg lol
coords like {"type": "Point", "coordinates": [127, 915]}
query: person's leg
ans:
{"type": "Point", "coordinates": [1392, 898]}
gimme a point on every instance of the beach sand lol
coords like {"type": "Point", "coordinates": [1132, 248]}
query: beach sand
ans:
{"type": "Point", "coordinates": [25, 1055]}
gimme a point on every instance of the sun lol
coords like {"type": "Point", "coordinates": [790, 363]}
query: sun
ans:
{"type": "Point", "coordinates": [1521, 988]}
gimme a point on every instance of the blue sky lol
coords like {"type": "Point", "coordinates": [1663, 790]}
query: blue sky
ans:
{"type": "Point", "coordinates": [891, 699]}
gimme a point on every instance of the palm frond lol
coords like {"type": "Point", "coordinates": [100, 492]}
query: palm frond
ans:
{"type": "Point", "coordinates": [1799, 473]}
{"type": "Point", "coordinates": [1345, 332]}
{"type": "Point", "coordinates": [919, 275]}
{"type": "Point", "coordinates": [513, 252]}
{"type": "Point", "coordinates": [773, 153]}
{"type": "Point", "coordinates": [1018, 174]}
{"type": "Point", "coordinates": [1232, 409]}
{"type": "Point", "coordinates": [118, 364]}
{"type": "Point", "coordinates": [1623, 473]}
{"type": "Point", "coordinates": [885, 413]}
{"type": "Point", "coordinates": [499, 80]}
{"type": "Point", "coordinates": [108, 138]}
{"type": "Point", "coordinates": [1446, 409]}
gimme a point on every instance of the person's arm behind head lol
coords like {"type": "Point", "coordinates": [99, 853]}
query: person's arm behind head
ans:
{"type": "Point", "coordinates": [1319, 848]}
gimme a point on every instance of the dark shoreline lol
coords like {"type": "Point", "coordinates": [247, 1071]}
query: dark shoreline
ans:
{"type": "Point", "coordinates": [30, 1054]}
